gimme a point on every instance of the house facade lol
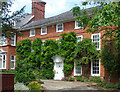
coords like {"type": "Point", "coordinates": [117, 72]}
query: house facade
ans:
{"type": "Point", "coordinates": [35, 25]}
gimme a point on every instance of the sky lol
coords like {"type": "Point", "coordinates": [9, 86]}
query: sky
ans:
{"type": "Point", "coordinates": [52, 7]}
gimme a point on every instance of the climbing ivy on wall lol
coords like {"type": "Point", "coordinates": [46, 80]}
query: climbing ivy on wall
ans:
{"type": "Point", "coordinates": [49, 49]}
{"type": "Point", "coordinates": [24, 68]}
{"type": "Point", "coordinates": [85, 53]}
{"type": "Point", "coordinates": [66, 50]}
{"type": "Point", "coordinates": [35, 56]}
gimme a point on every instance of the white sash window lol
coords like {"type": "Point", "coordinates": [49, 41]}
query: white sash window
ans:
{"type": "Point", "coordinates": [12, 65]}
{"type": "Point", "coordinates": [2, 61]}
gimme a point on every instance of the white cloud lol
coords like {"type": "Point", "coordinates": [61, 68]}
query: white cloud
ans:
{"type": "Point", "coordinates": [52, 8]}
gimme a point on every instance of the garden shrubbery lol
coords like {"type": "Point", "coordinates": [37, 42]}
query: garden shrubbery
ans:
{"type": "Point", "coordinates": [34, 85]}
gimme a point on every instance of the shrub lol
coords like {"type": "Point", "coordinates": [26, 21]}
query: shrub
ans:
{"type": "Point", "coordinates": [95, 79]}
{"type": "Point", "coordinates": [71, 79]}
{"type": "Point", "coordinates": [106, 85]}
{"type": "Point", "coordinates": [80, 78]}
{"type": "Point", "coordinates": [118, 85]}
{"type": "Point", "coordinates": [34, 85]}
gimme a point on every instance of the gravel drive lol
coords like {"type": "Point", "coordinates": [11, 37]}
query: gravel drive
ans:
{"type": "Point", "coordinates": [65, 85]}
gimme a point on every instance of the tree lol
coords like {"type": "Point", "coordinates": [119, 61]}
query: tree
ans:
{"type": "Point", "coordinates": [107, 19]}
{"type": "Point", "coordinates": [85, 53]}
{"type": "Point", "coordinates": [7, 20]}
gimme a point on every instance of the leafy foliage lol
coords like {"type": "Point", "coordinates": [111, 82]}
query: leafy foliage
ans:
{"type": "Point", "coordinates": [35, 56]}
{"type": "Point", "coordinates": [23, 49]}
{"type": "Point", "coordinates": [110, 56]}
{"type": "Point", "coordinates": [107, 19]}
{"type": "Point", "coordinates": [8, 20]}
{"type": "Point", "coordinates": [85, 53]}
{"type": "Point", "coordinates": [34, 85]}
{"type": "Point", "coordinates": [24, 68]}
{"type": "Point", "coordinates": [49, 49]}
{"type": "Point", "coordinates": [66, 49]}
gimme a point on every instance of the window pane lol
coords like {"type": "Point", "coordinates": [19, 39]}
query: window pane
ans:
{"type": "Point", "coordinates": [13, 40]}
{"type": "Point", "coordinates": [12, 58]}
{"type": "Point", "coordinates": [12, 64]}
{"type": "Point", "coordinates": [32, 32]}
{"type": "Point", "coordinates": [3, 57]}
{"type": "Point", "coordinates": [78, 69]}
{"type": "Point", "coordinates": [0, 61]}
{"type": "Point", "coordinates": [96, 40]}
{"type": "Point", "coordinates": [60, 27]}
{"type": "Point", "coordinates": [44, 30]}
{"type": "Point", "coordinates": [95, 67]}
{"type": "Point", "coordinates": [3, 64]}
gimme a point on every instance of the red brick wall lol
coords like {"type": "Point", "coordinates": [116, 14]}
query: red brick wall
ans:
{"type": "Point", "coordinates": [52, 34]}
{"type": "Point", "coordinates": [10, 51]}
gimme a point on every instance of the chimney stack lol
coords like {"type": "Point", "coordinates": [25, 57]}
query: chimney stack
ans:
{"type": "Point", "coordinates": [38, 9]}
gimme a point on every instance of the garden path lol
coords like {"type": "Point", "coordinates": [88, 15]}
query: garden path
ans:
{"type": "Point", "coordinates": [65, 85]}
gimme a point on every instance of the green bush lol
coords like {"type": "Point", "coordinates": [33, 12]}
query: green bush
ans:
{"type": "Point", "coordinates": [71, 79]}
{"type": "Point", "coordinates": [8, 71]}
{"type": "Point", "coordinates": [95, 79]}
{"type": "Point", "coordinates": [118, 85]}
{"type": "Point", "coordinates": [34, 85]}
{"type": "Point", "coordinates": [80, 78]}
{"type": "Point", "coordinates": [106, 85]}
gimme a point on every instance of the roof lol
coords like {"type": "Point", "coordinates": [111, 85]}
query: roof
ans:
{"type": "Point", "coordinates": [24, 20]}
{"type": "Point", "coordinates": [59, 18]}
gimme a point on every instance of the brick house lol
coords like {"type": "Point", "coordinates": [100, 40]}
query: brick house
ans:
{"type": "Point", "coordinates": [35, 25]}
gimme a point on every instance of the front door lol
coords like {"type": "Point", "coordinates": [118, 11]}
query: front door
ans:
{"type": "Point", "coordinates": [0, 61]}
{"type": "Point", "coordinates": [58, 68]}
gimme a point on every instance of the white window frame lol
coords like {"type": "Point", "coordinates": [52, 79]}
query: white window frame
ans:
{"type": "Point", "coordinates": [3, 60]}
{"type": "Point", "coordinates": [57, 28]}
{"type": "Point", "coordinates": [92, 69]}
{"type": "Point", "coordinates": [12, 61]}
{"type": "Point", "coordinates": [31, 32]}
{"type": "Point", "coordinates": [75, 74]}
{"type": "Point", "coordinates": [97, 41]}
{"type": "Point", "coordinates": [14, 40]}
{"type": "Point", "coordinates": [42, 30]}
{"type": "Point", "coordinates": [78, 37]}
{"type": "Point", "coordinates": [76, 25]}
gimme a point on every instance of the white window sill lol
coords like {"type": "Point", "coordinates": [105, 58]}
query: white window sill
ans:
{"type": "Point", "coordinates": [77, 74]}
{"type": "Point", "coordinates": [98, 49]}
{"type": "Point", "coordinates": [4, 45]}
{"type": "Point", "coordinates": [78, 27]}
{"type": "Point", "coordinates": [12, 68]}
{"type": "Point", "coordinates": [32, 36]}
{"type": "Point", "coordinates": [95, 74]}
{"type": "Point", "coordinates": [59, 31]}
{"type": "Point", "coordinates": [2, 68]}
{"type": "Point", "coordinates": [44, 34]}
{"type": "Point", "coordinates": [13, 45]}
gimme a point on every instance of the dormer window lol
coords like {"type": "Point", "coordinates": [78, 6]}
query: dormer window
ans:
{"type": "Point", "coordinates": [59, 27]}
{"type": "Point", "coordinates": [77, 25]}
{"type": "Point", "coordinates": [43, 30]}
{"type": "Point", "coordinates": [32, 32]}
